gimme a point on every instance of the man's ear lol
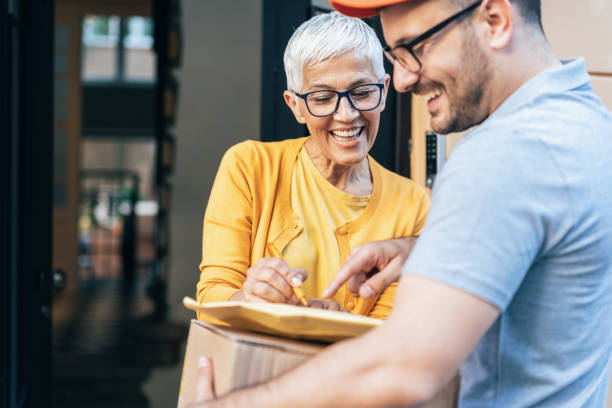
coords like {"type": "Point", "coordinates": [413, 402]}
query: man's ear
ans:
{"type": "Point", "coordinates": [498, 19]}
{"type": "Point", "coordinates": [293, 103]}
{"type": "Point", "coordinates": [385, 91]}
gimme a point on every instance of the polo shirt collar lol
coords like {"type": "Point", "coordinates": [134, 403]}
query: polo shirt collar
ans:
{"type": "Point", "coordinates": [571, 74]}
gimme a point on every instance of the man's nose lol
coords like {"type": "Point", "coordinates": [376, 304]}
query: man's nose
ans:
{"type": "Point", "coordinates": [345, 112]}
{"type": "Point", "coordinates": [403, 79]}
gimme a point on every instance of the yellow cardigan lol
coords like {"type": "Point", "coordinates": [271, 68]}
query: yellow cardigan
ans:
{"type": "Point", "coordinates": [250, 205]}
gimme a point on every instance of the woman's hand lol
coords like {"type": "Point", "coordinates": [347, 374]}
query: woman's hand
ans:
{"type": "Point", "coordinates": [272, 281]}
{"type": "Point", "coordinates": [325, 304]}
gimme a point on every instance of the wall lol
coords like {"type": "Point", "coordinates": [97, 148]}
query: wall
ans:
{"type": "Point", "coordinates": [218, 106]}
{"type": "Point", "coordinates": [582, 28]}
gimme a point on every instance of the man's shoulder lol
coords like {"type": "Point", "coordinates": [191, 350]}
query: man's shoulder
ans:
{"type": "Point", "coordinates": [549, 121]}
{"type": "Point", "coordinates": [562, 108]}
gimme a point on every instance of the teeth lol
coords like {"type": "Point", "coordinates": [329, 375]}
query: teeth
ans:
{"type": "Point", "coordinates": [429, 96]}
{"type": "Point", "coordinates": [346, 133]}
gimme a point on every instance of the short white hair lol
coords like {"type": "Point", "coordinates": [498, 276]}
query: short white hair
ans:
{"type": "Point", "coordinates": [328, 36]}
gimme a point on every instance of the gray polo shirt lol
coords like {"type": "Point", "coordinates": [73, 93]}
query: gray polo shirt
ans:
{"type": "Point", "coordinates": [521, 217]}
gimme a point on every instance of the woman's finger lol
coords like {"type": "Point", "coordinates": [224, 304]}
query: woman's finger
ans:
{"type": "Point", "coordinates": [276, 280]}
{"type": "Point", "coordinates": [290, 274]}
{"type": "Point", "coordinates": [256, 290]}
{"type": "Point", "coordinates": [325, 304]}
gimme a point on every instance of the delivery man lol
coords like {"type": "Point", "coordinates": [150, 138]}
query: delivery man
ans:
{"type": "Point", "coordinates": [511, 280]}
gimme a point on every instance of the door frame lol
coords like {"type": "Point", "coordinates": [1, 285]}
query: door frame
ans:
{"type": "Point", "coordinates": [26, 189]}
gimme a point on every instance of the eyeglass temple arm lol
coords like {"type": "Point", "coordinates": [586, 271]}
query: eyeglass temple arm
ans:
{"type": "Point", "coordinates": [438, 27]}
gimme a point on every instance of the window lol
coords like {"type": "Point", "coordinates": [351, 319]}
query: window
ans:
{"type": "Point", "coordinates": [138, 50]}
{"type": "Point", "coordinates": [118, 49]}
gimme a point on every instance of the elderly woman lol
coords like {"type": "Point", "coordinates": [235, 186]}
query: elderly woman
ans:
{"type": "Point", "coordinates": [310, 200]}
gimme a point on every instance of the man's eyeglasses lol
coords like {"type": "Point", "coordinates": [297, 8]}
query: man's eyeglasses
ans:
{"type": "Point", "coordinates": [324, 103]}
{"type": "Point", "coordinates": [405, 53]}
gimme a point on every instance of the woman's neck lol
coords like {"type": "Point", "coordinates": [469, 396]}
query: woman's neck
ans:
{"type": "Point", "coordinates": [353, 179]}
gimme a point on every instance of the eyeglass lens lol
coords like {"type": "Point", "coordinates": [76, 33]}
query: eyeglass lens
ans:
{"type": "Point", "coordinates": [405, 58]}
{"type": "Point", "coordinates": [363, 98]}
{"type": "Point", "coordinates": [404, 54]}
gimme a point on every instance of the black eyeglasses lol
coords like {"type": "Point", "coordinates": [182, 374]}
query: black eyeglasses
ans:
{"type": "Point", "coordinates": [405, 54]}
{"type": "Point", "coordinates": [324, 103]}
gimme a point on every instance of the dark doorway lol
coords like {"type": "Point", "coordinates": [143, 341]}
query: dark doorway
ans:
{"type": "Point", "coordinates": [109, 326]}
{"type": "Point", "coordinates": [33, 135]}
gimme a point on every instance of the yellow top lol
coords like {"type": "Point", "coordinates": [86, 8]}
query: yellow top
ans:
{"type": "Point", "coordinates": [250, 205]}
{"type": "Point", "coordinates": [322, 208]}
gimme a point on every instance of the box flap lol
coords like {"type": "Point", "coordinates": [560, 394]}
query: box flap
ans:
{"type": "Point", "coordinates": [261, 340]}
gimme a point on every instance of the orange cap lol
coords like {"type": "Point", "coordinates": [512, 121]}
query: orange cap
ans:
{"type": "Point", "coordinates": [362, 8]}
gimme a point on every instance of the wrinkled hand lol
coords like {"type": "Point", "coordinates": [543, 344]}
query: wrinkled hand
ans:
{"type": "Point", "coordinates": [205, 386]}
{"type": "Point", "coordinates": [372, 267]}
{"type": "Point", "coordinates": [325, 304]}
{"type": "Point", "coordinates": [271, 280]}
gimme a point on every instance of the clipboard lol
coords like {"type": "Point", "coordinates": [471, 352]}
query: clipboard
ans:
{"type": "Point", "coordinates": [284, 320]}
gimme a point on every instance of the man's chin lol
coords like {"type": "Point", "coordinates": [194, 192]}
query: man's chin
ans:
{"type": "Point", "coordinates": [438, 126]}
{"type": "Point", "coordinates": [445, 127]}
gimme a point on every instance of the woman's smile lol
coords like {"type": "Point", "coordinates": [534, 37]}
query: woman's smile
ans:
{"type": "Point", "coordinates": [347, 137]}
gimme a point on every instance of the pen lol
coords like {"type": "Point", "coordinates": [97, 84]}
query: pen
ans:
{"type": "Point", "coordinates": [296, 289]}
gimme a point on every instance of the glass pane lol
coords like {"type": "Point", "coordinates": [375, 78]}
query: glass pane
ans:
{"type": "Point", "coordinates": [116, 182]}
{"type": "Point", "coordinates": [100, 41]}
{"type": "Point", "coordinates": [138, 44]}
{"type": "Point", "coordinates": [122, 154]}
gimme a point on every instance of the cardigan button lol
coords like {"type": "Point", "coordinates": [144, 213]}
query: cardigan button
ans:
{"type": "Point", "coordinates": [350, 306]}
{"type": "Point", "coordinates": [342, 231]}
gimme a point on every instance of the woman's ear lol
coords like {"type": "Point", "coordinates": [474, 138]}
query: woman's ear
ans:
{"type": "Point", "coordinates": [385, 91]}
{"type": "Point", "coordinates": [293, 103]}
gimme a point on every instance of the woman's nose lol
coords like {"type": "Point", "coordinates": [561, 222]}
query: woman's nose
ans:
{"type": "Point", "coordinates": [403, 79]}
{"type": "Point", "coordinates": [345, 111]}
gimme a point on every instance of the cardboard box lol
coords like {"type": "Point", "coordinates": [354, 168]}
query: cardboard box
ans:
{"type": "Point", "coordinates": [241, 359]}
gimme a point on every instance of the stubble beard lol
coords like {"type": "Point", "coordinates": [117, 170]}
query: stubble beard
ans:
{"type": "Point", "coordinates": [467, 90]}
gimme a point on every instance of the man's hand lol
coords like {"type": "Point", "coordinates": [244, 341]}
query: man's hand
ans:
{"type": "Point", "coordinates": [372, 267]}
{"type": "Point", "coordinates": [205, 386]}
{"type": "Point", "coordinates": [272, 281]}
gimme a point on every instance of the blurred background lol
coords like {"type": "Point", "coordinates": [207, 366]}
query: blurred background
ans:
{"type": "Point", "coordinates": [114, 117]}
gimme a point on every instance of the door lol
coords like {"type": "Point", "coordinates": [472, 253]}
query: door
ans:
{"type": "Point", "coordinates": [26, 148]}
